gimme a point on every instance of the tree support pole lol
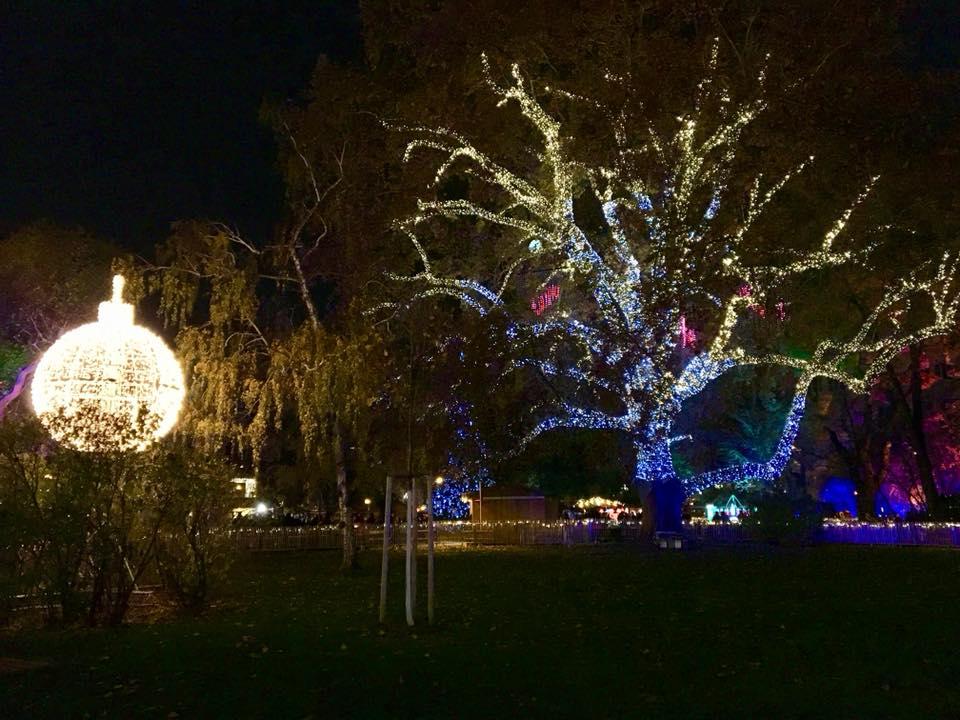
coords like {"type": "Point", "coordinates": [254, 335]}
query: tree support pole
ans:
{"type": "Point", "coordinates": [414, 495]}
{"type": "Point", "coordinates": [384, 564]}
{"type": "Point", "coordinates": [430, 539]}
{"type": "Point", "coordinates": [408, 600]}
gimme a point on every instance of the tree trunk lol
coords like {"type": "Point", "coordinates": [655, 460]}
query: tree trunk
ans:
{"type": "Point", "coordinates": [412, 520]}
{"type": "Point", "coordinates": [913, 406]}
{"type": "Point", "coordinates": [870, 473]}
{"type": "Point", "coordinates": [663, 503]}
{"type": "Point", "coordinates": [18, 387]}
{"type": "Point", "coordinates": [663, 507]}
{"type": "Point", "coordinates": [867, 490]}
{"type": "Point", "coordinates": [860, 465]}
{"type": "Point", "coordinates": [924, 463]}
{"type": "Point", "coordinates": [349, 561]}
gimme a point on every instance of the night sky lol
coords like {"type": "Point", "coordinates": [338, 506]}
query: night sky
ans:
{"type": "Point", "coordinates": [123, 117]}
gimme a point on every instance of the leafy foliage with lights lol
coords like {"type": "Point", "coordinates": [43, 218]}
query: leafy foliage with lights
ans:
{"type": "Point", "coordinates": [108, 385]}
{"type": "Point", "coordinates": [467, 463]}
{"type": "Point", "coordinates": [677, 250]}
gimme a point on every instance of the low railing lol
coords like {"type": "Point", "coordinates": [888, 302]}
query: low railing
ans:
{"type": "Point", "coordinates": [288, 538]}
{"type": "Point", "coordinates": [916, 533]}
{"type": "Point", "coordinates": [330, 537]}
{"type": "Point", "coordinates": [719, 533]}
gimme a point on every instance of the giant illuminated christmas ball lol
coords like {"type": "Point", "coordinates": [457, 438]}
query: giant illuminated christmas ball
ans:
{"type": "Point", "coordinates": [110, 384]}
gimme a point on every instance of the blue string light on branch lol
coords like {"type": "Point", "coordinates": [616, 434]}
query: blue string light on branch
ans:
{"type": "Point", "coordinates": [624, 357]}
{"type": "Point", "coordinates": [466, 468]}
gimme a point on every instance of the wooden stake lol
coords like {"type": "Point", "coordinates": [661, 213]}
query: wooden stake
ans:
{"type": "Point", "coordinates": [408, 601]}
{"type": "Point", "coordinates": [430, 531]}
{"type": "Point", "coordinates": [415, 493]}
{"type": "Point", "coordinates": [387, 513]}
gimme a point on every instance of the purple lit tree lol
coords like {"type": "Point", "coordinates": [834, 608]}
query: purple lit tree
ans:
{"type": "Point", "coordinates": [657, 304]}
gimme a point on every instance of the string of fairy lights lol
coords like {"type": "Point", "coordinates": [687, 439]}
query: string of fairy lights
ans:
{"type": "Point", "coordinates": [466, 469]}
{"type": "Point", "coordinates": [634, 337]}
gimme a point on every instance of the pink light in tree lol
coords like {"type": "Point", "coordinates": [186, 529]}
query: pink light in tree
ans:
{"type": "Point", "coordinates": [549, 296]}
{"type": "Point", "coordinates": [688, 336]}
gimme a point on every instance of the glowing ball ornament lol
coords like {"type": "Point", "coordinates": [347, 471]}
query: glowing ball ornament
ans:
{"type": "Point", "coordinates": [108, 385]}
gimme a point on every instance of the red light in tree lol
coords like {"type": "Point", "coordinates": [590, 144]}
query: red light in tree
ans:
{"type": "Point", "coordinates": [550, 295]}
{"type": "Point", "coordinates": [781, 307]}
{"type": "Point", "coordinates": [688, 336]}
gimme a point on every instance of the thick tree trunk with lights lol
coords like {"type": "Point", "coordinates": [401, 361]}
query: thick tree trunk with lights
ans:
{"type": "Point", "coordinates": [663, 508]}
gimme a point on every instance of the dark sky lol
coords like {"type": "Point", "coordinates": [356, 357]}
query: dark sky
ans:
{"type": "Point", "coordinates": [124, 116]}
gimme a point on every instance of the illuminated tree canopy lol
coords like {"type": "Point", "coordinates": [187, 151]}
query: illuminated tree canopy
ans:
{"type": "Point", "coordinates": [656, 305]}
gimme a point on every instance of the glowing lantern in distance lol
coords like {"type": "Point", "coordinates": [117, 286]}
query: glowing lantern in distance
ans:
{"type": "Point", "coordinates": [110, 384]}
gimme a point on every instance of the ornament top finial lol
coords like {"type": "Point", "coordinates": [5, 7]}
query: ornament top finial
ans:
{"type": "Point", "coordinates": [115, 312]}
{"type": "Point", "coordinates": [118, 283]}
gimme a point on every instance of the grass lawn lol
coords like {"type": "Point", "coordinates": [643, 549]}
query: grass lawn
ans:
{"type": "Point", "coordinates": [591, 632]}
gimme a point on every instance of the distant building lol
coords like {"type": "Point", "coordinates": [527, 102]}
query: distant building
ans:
{"type": "Point", "coordinates": [509, 503]}
{"type": "Point", "coordinates": [246, 487]}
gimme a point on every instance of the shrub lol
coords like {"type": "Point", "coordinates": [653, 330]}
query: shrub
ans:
{"type": "Point", "coordinates": [193, 546]}
{"type": "Point", "coordinates": [79, 530]}
{"type": "Point", "coordinates": [780, 520]}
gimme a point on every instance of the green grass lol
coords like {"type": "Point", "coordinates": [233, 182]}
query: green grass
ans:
{"type": "Point", "coordinates": [585, 632]}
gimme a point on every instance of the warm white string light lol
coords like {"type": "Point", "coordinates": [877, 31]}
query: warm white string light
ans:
{"type": "Point", "coordinates": [626, 337]}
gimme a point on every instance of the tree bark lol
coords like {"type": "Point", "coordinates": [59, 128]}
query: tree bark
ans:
{"type": "Point", "coordinates": [869, 485]}
{"type": "Point", "coordinates": [349, 562]}
{"type": "Point", "coordinates": [412, 550]}
{"type": "Point", "coordinates": [18, 386]}
{"type": "Point", "coordinates": [663, 508]}
{"type": "Point", "coordinates": [860, 465]}
{"type": "Point", "coordinates": [913, 406]}
{"type": "Point", "coordinates": [924, 463]}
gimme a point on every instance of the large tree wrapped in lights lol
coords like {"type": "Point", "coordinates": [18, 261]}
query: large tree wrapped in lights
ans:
{"type": "Point", "coordinates": [656, 300]}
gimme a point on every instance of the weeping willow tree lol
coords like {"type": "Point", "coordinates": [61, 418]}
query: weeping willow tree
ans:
{"type": "Point", "coordinates": [258, 353]}
{"type": "Point", "coordinates": [271, 332]}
